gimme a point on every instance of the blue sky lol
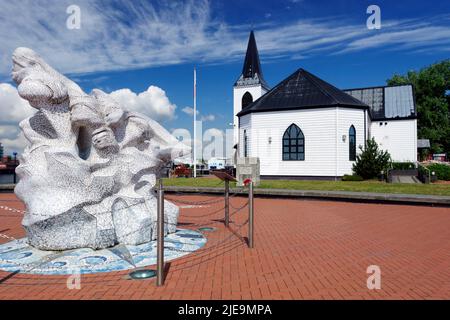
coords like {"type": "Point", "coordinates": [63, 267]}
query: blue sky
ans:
{"type": "Point", "coordinates": [133, 45]}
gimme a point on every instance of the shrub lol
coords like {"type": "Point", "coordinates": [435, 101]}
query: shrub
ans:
{"type": "Point", "coordinates": [403, 165]}
{"type": "Point", "coordinates": [353, 177]}
{"type": "Point", "coordinates": [442, 171]}
{"type": "Point", "coordinates": [371, 161]}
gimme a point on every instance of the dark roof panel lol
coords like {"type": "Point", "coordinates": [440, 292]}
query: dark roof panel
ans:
{"type": "Point", "coordinates": [373, 97]}
{"type": "Point", "coordinates": [388, 102]}
{"type": "Point", "coordinates": [302, 90]}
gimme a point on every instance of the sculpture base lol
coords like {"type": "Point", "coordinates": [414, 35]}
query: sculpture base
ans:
{"type": "Point", "coordinates": [131, 222]}
{"type": "Point", "coordinates": [17, 255]}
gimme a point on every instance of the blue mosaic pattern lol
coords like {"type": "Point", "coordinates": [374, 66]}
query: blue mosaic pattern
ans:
{"type": "Point", "coordinates": [17, 255]}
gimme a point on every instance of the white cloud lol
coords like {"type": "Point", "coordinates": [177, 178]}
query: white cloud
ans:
{"type": "Point", "coordinates": [8, 131]}
{"type": "Point", "coordinates": [14, 144]}
{"type": "Point", "coordinates": [137, 34]}
{"type": "Point", "coordinates": [209, 117]}
{"type": "Point", "coordinates": [189, 111]}
{"type": "Point", "coordinates": [403, 39]}
{"type": "Point", "coordinates": [12, 107]}
{"type": "Point", "coordinates": [215, 132]}
{"type": "Point", "coordinates": [153, 102]}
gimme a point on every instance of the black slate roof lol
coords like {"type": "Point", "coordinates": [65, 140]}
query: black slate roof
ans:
{"type": "Point", "coordinates": [251, 69]}
{"type": "Point", "coordinates": [302, 90]}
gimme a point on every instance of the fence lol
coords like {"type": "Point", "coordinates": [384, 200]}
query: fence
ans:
{"type": "Point", "coordinates": [208, 219]}
{"type": "Point", "coordinates": [226, 220]}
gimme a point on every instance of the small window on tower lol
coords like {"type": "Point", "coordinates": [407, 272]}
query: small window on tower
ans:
{"type": "Point", "coordinates": [246, 99]}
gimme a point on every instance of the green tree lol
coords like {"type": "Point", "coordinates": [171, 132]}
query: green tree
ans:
{"type": "Point", "coordinates": [432, 87]}
{"type": "Point", "coordinates": [371, 161]}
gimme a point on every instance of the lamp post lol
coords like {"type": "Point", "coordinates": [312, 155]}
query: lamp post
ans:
{"type": "Point", "coordinates": [195, 124]}
{"type": "Point", "coordinates": [15, 165]}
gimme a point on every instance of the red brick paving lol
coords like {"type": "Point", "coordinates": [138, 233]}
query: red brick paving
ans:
{"type": "Point", "coordinates": [303, 250]}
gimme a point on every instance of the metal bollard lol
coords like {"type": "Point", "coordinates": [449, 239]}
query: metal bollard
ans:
{"type": "Point", "coordinates": [227, 203]}
{"type": "Point", "coordinates": [160, 237]}
{"type": "Point", "coordinates": [250, 216]}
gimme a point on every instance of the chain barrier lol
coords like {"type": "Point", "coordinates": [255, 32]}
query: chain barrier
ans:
{"type": "Point", "coordinates": [196, 253]}
{"type": "Point", "coordinates": [192, 253]}
{"type": "Point", "coordinates": [196, 193]}
{"type": "Point", "coordinates": [208, 201]}
{"type": "Point", "coordinates": [14, 210]}
{"type": "Point", "coordinates": [4, 236]}
{"type": "Point", "coordinates": [194, 202]}
{"type": "Point", "coordinates": [207, 214]}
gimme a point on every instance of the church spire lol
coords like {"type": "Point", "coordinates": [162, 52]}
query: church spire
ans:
{"type": "Point", "coordinates": [251, 71]}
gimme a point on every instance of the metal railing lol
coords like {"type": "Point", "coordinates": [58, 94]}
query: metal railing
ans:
{"type": "Point", "coordinates": [161, 223]}
{"type": "Point", "coordinates": [419, 165]}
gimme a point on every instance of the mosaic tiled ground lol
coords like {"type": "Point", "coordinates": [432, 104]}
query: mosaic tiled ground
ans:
{"type": "Point", "coordinates": [18, 255]}
{"type": "Point", "coordinates": [303, 250]}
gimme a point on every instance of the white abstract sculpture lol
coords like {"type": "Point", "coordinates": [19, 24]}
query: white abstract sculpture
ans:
{"type": "Point", "coordinates": [87, 177]}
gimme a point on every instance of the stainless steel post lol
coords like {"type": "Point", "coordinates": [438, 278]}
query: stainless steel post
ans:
{"type": "Point", "coordinates": [160, 235]}
{"type": "Point", "coordinates": [227, 203]}
{"type": "Point", "coordinates": [250, 216]}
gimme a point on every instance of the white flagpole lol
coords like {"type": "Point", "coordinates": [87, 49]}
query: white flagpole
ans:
{"type": "Point", "coordinates": [195, 124]}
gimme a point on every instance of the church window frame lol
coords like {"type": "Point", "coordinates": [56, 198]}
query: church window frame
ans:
{"type": "Point", "coordinates": [293, 148]}
{"type": "Point", "coordinates": [352, 143]}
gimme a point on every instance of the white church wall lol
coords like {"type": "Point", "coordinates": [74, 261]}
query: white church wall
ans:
{"type": "Point", "coordinates": [399, 137]}
{"type": "Point", "coordinates": [245, 126]}
{"type": "Point", "coordinates": [319, 129]}
{"type": "Point", "coordinates": [238, 92]}
{"type": "Point", "coordinates": [347, 118]}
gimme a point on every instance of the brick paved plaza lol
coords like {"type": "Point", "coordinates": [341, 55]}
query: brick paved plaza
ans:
{"type": "Point", "coordinates": [303, 250]}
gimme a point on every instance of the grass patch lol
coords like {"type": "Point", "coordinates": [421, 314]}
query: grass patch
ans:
{"type": "Point", "coordinates": [354, 186]}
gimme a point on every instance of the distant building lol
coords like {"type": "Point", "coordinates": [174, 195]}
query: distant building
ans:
{"type": "Point", "coordinates": [217, 163]}
{"type": "Point", "coordinates": [1, 151]}
{"type": "Point", "coordinates": [305, 127]}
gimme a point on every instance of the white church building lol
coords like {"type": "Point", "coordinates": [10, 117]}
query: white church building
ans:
{"type": "Point", "coordinates": [306, 128]}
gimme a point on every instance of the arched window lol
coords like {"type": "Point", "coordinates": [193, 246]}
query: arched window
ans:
{"type": "Point", "coordinates": [293, 144]}
{"type": "Point", "coordinates": [352, 144]}
{"type": "Point", "coordinates": [246, 99]}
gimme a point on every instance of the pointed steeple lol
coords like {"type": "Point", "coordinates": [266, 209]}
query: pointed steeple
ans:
{"type": "Point", "coordinates": [251, 71]}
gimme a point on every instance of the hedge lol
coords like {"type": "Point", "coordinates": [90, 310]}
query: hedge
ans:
{"type": "Point", "coordinates": [403, 165]}
{"type": "Point", "coordinates": [442, 171]}
{"type": "Point", "coordinates": [354, 177]}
